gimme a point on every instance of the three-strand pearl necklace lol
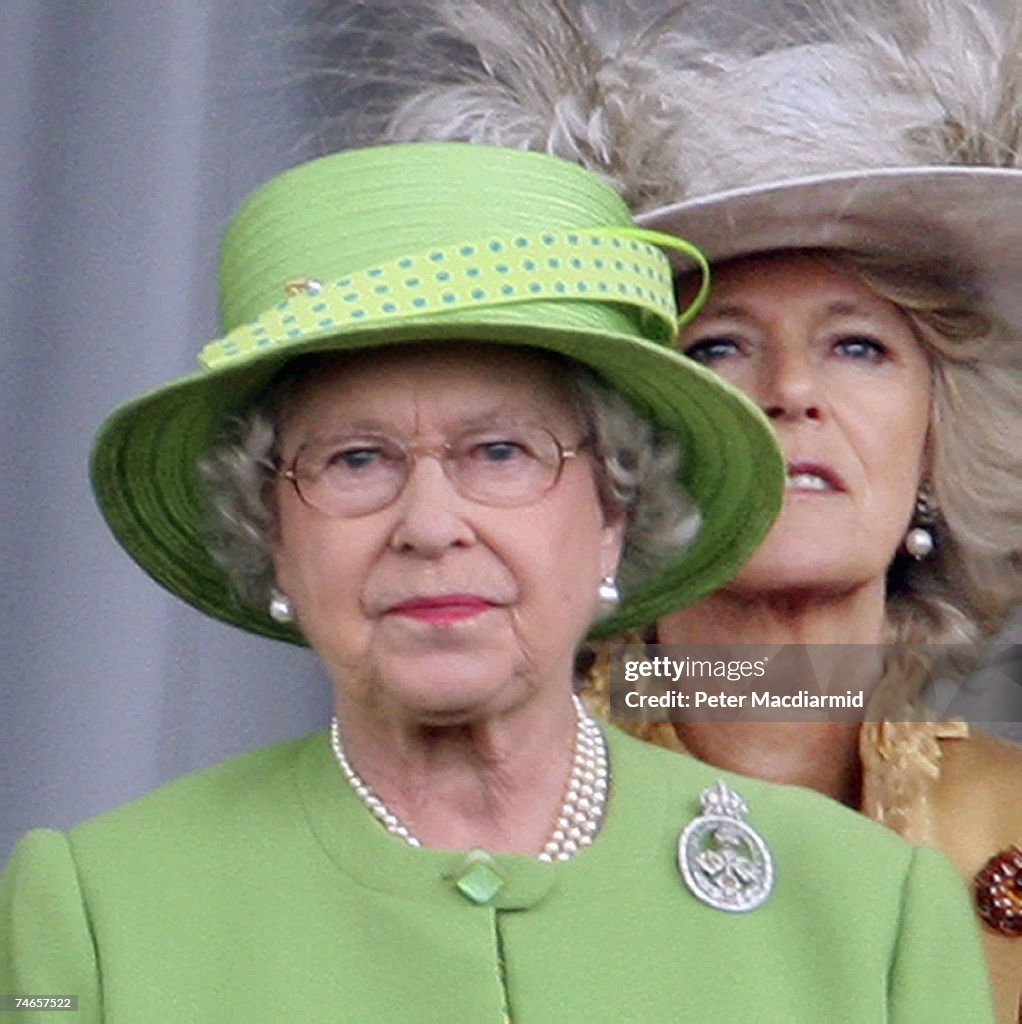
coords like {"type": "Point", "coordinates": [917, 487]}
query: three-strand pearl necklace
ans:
{"type": "Point", "coordinates": [580, 816]}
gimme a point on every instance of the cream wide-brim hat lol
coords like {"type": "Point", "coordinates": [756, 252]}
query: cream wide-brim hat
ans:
{"type": "Point", "coordinates": [966, 220]}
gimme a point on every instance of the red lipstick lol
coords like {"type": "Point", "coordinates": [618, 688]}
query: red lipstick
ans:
{"type": "Point", "coordinates": [442, 610]}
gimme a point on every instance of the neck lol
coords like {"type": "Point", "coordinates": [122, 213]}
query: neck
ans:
{"type": "Point", "coordinates": [797, 616]}
{"type": "Point", "coordinates": [497, 781]}
{"type": "Point", "coordinates": [820, 755]}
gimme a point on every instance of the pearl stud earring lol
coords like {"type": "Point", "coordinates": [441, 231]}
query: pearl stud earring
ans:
{"type": "Point", "coordinates": [280, 607]}
{"type": "Point", "coordinates": [607, 592]}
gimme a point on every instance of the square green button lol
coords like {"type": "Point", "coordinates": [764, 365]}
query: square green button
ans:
{"type": "Point", "coordinates": [478, 879]}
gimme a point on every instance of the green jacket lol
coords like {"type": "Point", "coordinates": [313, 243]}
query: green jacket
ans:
{"type": "Point", "coordinates": [262, 890]}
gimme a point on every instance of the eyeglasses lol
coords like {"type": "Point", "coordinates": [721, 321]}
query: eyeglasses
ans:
{"type": "Point", "coordinates": [355, 474]}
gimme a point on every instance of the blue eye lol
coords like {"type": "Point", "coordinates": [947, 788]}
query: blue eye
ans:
{"type": "Point", "coordinates": [858, 346]}
{"type": "Point", "coordinates": [500, 451]}
{"type": "Point", "coordinates": [354, 458]}
{"type": "Point", "coordinates": [711, 350]}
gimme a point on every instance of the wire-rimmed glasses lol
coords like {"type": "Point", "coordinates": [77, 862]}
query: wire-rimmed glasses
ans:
{"type": "Point", "coordinates": [350, 475]}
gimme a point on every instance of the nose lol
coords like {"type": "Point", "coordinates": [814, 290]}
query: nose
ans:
{"type": "Point", "coordinates": [790, 390]}
{"type": "Point", "coordinates": [430, 513]}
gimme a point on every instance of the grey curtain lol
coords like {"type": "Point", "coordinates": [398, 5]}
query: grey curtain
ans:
{"type": "Point", "coordinates": [130, 132]}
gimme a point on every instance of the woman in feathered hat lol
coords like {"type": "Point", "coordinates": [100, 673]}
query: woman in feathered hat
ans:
{"type": "Point", "coordinates": [855, 180]}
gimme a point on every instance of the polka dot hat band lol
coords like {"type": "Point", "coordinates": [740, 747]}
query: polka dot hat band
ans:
{"type": "Point", "coordinates": [552, 265]}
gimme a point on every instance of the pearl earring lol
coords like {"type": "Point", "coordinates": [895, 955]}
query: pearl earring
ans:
{"type": "Point", "coordinates": [607, 592]}
{"type": "Point", "coordinates": [919, 541]}
{"type": "Point", "coordinates": [280, 607]}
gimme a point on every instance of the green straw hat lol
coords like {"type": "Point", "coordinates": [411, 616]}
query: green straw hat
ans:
{"type": "Point", "coordinates": [437, 242]}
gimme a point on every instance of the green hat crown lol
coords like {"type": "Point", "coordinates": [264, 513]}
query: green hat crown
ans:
{"type": "Point", "coordinates": [357, 242]}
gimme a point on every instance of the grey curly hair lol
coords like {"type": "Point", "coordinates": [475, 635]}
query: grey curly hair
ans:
{"type": "Point", "coordinates": [636, 468]}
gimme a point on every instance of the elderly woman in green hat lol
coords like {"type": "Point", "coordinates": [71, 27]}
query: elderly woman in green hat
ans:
{"type": "Point", "coordinates": [439, 442]}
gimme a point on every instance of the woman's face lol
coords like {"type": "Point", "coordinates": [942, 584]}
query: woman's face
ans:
{"type": "Point", "coordinates": [845, 382]}
{"type": "Point", "coordinates": [437, 606]}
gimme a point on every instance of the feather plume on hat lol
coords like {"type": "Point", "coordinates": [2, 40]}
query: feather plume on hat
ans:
{"type": "Point", "coordinates": [966, 62]}
{"type": "Point", "coordinates": [670, 103]}
{"type": "Point", "coordinates": [564, 77]}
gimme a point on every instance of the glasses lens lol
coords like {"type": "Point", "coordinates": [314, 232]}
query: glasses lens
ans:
{"type": "Point", "coordinates": [350, 476]}
{"type": "Point", "coordinates": [506, 466]}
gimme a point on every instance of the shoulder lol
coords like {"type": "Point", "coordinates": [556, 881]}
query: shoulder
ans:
{"type": "Point", "coordinates": [827, 856]}
{"type": "Point", "coordinates": [216, 808]}
{"type": "Point", "coordinates": [46, 942]}
{"type": "Point", "coordinates": [250, 777]}
{"type": "Point", "coordinates": [837, 873]}
{"type": "Point", "coordinates": [241, 818]}
{"type": "Point", "coordinates": [245, 786]}
{"type": "Point", "coordinates": [977, 809]}
{"type": "Point", "coordinates": [979, 756]}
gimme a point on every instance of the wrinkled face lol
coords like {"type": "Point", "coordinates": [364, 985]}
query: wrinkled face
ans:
{"type": "Point", "coordinates": [845, 382]}
{"type": "Point", "coordinates": [438, 606]}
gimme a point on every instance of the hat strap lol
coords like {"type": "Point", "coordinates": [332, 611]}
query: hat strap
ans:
{"type": "Point", "coordinates": [682, 245]}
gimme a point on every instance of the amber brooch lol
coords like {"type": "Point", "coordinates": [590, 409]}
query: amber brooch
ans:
{"type": "Point", "coordinates": [999, 892]}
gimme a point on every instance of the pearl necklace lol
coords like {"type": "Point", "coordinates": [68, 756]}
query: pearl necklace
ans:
{"type": "Point", "coordinates": [578, 820]}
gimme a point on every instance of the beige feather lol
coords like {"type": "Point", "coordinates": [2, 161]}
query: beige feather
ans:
{"type": "Point", "coordinates": [673, 102]}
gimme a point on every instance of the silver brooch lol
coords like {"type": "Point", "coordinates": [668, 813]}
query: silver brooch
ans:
{"type": "Point", "coordinates": [724, 860]}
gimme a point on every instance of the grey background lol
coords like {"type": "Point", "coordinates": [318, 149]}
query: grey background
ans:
{"type": "Point", "coordinates": [128, 133]}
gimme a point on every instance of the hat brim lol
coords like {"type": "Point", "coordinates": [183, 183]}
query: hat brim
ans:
{"type": "Point", "coordinates": [963, 217]}
{"type": "Point", "coordinates": [144, 464]}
